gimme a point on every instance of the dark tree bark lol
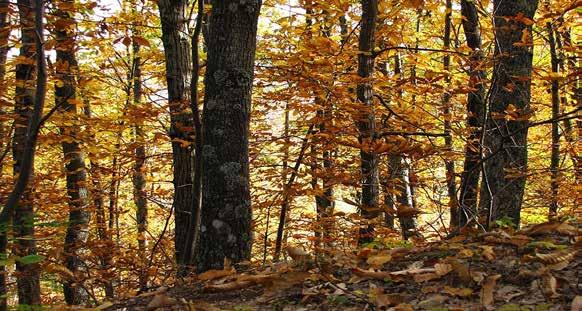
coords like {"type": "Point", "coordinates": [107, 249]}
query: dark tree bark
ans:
{"type": "Point", "coordinates": [475, 115]}
{"type": "Point", "coordinates": [446, 101]}
{"type": "Point", "coordinates": [555, 156]}
{"type": "Point", "coordinates": [225, 230]}
{"type": "Point", "coordinates": [65, 96]}
{"type": "Point", "coordinates": [366, 121]}
{"type": "Point", "coordinates": [29, 102]}
{"type": "Point", "coordinates": [505, 140]}
{"type": "Point", "coordinates": [194, 224]}
{"type": "Point", "coordinates": [4, 33]}
{"type": "Point", "coordinates": [177, 56]}
{"type": "Point", "coordinates": [139, 181]}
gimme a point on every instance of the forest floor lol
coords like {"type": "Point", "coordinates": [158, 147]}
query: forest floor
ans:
{"type": "Point", "coordinates": [536, 269]}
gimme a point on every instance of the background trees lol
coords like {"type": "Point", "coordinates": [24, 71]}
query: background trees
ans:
{"type": "Point", "coordinates": [323, 117]}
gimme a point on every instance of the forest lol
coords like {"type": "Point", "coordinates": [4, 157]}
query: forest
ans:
{"type": "Point", "coordinates": [290, 155]}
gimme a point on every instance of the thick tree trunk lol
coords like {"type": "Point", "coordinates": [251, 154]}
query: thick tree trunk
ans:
{"type": "Point", "coordinates": [177, 56]}
{"type": "Point", "coordinates": [139, 181]}
{"type": "Point", "coordinates": [467, 212]}
{"type": "Point", "coordinates": [366, 121]}
{"type": "Point", "coordinates": [225, 228]}
{"type": "Point", "coordinates": [505, 140]}
{"type": "Point", "coordinates": [65, 97]}
{"type": "Point", "coordinates": [29, 102]}
{"type": "Point", "coordinates": [446, 101]}
{"type": "Point", "coordinates": [555, 156]}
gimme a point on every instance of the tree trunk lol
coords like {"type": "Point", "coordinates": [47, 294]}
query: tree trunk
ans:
{"type": "Point", "coordinates": [225, 230]}
{"type": "Point", "coordinates": [555, 156]}
{"type": "Point", "coordinates": [467, 212]}
{"type": "Point", "coordinates": [29, 102]}
{"type": "Point", "coordinates": [65, 97]}
{"type": "Point", "coordinates": [505, 140]}
{"type": "Point", "coordinates": [103, 234]}
{"type": "Point", "coordinates": [177, 56]}
{"type": "Point", "coordinates": [576, 90]}
{"type": "Point", "coordinates": [366, 121]}
{"type": "Point", "coordinates": [446, 101]}
{"type": "Point", "coordinates": [194, 223]}
{"type": "Point", "coordinates": [4, 33]}
{"type": "Point", "coordinates": [139, 181]}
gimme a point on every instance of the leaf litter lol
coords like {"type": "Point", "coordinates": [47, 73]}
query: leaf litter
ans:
{"type": "Point", "coordinates": [537, 268]}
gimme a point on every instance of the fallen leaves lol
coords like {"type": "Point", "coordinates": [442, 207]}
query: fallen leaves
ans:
{"type": "Point", "coordinates": [487, 291]}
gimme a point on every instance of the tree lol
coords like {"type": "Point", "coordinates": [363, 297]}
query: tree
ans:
{"type": "Point", "coordinates": [139, 178]}
{"type": "Point", "coordinates": [29, 102]}
{"type": "Point", "coordinates": [505, 140]}
{"type": "Point", "coordinates": [366, 121]}
{"type": "Point", "coordinates": [4, 34]}
{"type": "Point", "coordinates": [225, 230]}
{"type": "Point", "coordinates": [74, 159]}
{"type": "Point", "coordinates": [446, 101]}
{"type": "Point", "coordinates": [467, 211]}
{"type": "Point", "coordinates": [177, 57]}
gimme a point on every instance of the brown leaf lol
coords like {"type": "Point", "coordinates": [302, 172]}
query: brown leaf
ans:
{"type": "Point", "coordinates": [552, 227]}
{"type": "Point", "coordinates": [378, 260]}
{"type": "Point", "coordinates": [215, 274]}
{"type": "Point", "coordinates": [201, 306]}
{"type": "Point", "coordinates": [488, 253]}
{"type": "Point", "coordinates": [487, 292]}
{"type": "Point", "coordinates": [557, 260]}
{"type": "Point", "coordinates": [406, 211]}
{"type": "Point", "coordinates": [461, 292]}
{"type": "Point", "coordinates": [379, 275]}
{"type": "Point", "coordinates": [423, 277]}
{"type": "Point", "coordinates": [141, 41]}
{"type": "Point", "coordinates": [549, 285]}
{"type": "Point", "coordinates": [161, 301]}
{"type": "Point", "coordinates": [235, 285]}
{"type": "Point", "coordinates": [297, 253]}
{"type": "Point", "coordinates": [443, 268]}
{"type": "Point", "coordinates": [387, 300]}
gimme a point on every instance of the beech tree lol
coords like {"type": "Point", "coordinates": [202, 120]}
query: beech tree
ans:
{"type": "Point", "coordinates": [467, 211]}
{"type": "Point", "coordinates": [66, 102]}
{"type": "Point", "coordinates": [177, 59]}
{"type": "Point", "coordinates": [225, 227]}
{"type": "Point", "coordinates": [505, 140]}
{"type": "Point", "coordinates": [366, 120]}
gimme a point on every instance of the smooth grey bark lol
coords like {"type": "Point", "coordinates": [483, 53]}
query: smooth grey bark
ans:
{"type": "Point", "coordinates": [74, 159]}
{"type": "Point", "coordinates": [29, 103]}
{"type": "Point", "coordinates": [225, 227]}
{"type": "Point", "coordinates": [366, 121]}
{"type": "Point", "coordinates": [476, 108]}
{"type": "Point", "coordinates": [505, 141]}
{"type": "Point", "coordinates": [177, 57]}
